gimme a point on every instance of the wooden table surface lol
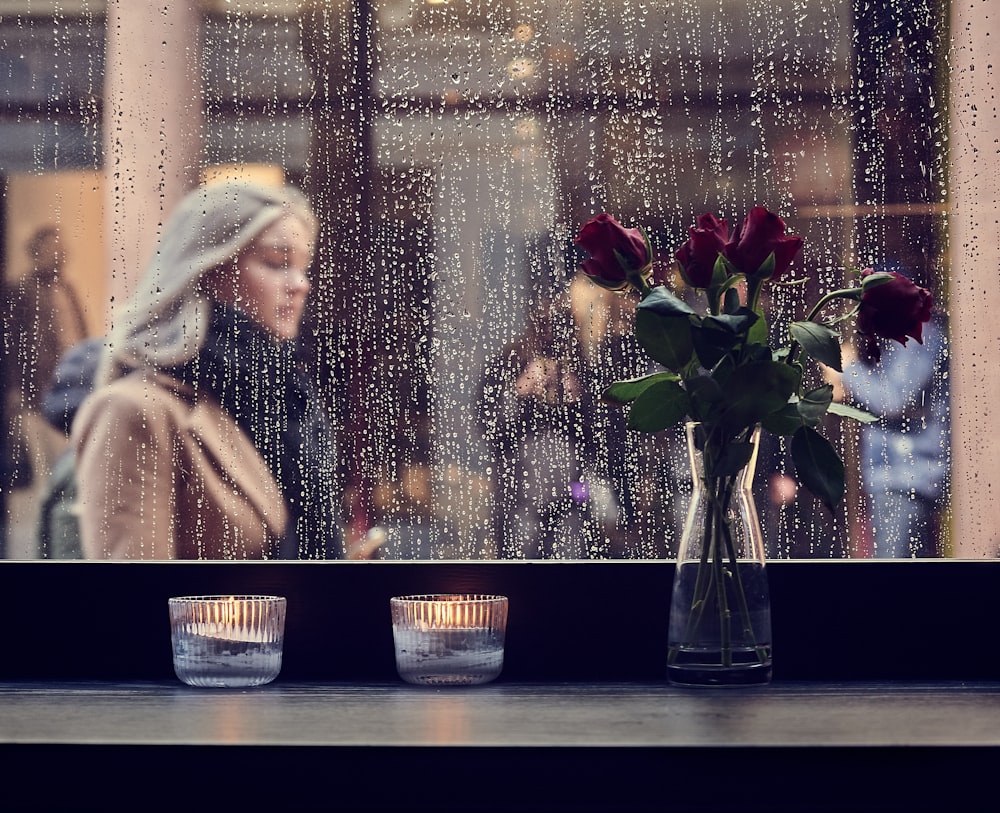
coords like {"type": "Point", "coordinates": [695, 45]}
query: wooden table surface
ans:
{"type": "Point", "coordinates": [504, 746]}
{"type": "Point", "coordinates": [502, 715]}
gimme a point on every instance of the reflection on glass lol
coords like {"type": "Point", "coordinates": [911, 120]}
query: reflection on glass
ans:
{"type": "Point", "coordinates": [451, 154]}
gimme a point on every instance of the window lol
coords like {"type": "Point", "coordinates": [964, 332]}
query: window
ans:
{"type": "Point", "coordinates": [452, 150]}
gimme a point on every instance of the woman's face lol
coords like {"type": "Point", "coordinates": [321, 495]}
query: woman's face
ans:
{"type": "Point", "coordinates": [271, 282]}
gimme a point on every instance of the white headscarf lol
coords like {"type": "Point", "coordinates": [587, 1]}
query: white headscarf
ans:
{"type": "Point", "coordinates": [165, 322]}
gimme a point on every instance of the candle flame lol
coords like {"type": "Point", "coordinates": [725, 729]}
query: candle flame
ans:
{"type": "Point", "coordinates": [451, 611]}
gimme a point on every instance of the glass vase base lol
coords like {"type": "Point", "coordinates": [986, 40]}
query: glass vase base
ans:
{"type": "Point", "coordinates": [747, 668]}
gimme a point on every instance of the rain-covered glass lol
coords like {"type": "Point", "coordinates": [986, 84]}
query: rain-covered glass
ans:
{"type": "Point", "coordinates": [452, 353]}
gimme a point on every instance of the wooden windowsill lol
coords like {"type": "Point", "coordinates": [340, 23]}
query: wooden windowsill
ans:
{"type": "Point", "coordinates": [505, 746]}
{"type": "Point", "coordinates": [625, 715]}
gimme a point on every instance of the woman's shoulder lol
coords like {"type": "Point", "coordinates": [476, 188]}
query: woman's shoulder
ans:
{"type": "Point", "coordinates": [148, 384]}
{"type": "Point", "coordinates": [143, 392]}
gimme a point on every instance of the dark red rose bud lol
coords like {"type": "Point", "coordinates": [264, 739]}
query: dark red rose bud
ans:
{"type": "Point", "coordinates": [601, 236]}
{"type": "Point", "coordinates": [761, 234]}
{"type": "Point", "coordinates": [697, 256]}
{"type": "Point", "coordinates": [894, 310]}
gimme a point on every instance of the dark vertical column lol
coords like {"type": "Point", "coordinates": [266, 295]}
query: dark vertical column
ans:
{"type": "Point", "coordinates": [900, 131]}
{"type": "Point", "coordinates": [338, 38]}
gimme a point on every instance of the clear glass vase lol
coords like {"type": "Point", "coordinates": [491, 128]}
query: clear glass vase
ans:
{"type": "Point", "coordinates": [720, 611]}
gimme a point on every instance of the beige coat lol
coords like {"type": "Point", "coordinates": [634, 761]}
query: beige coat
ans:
{"type": "Point", "coordinates": [163, 477]}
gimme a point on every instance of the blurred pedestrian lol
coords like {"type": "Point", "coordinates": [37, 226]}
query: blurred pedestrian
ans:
{"type": "Point", "coordinates": [205, 439]}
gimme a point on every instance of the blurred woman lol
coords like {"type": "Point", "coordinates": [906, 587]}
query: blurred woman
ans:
{"type": "Point", "coordinates": [204, 439]}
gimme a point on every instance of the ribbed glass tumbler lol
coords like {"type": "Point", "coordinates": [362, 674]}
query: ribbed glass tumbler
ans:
{"type": "Point", "coordinates": [449, 639]}
{"type": "Point", "coordinates": [227, 641]}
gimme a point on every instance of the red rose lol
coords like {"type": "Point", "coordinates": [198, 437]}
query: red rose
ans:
{"type": "Point", "coordinates": [601, 236]}
{"type": "Point", "coordinates": [760, 235]}
{"type": "Point", "coordinates": [698, 255]}
{"type": "Point", "coordinates": [895, 309]}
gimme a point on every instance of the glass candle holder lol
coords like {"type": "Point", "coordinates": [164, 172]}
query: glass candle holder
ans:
{"type": "Point", "coordinates": [227, 641]}
{"type": "Point", "coordinates": [449, 639]}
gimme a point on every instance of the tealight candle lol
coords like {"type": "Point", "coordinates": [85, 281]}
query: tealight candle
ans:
{"type": "Point", "coordinates": [227, 641]}
{"type": "Point", "coordinates": [449, 639]}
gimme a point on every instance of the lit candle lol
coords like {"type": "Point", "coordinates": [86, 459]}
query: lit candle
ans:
{"type": "Point", "coordinates": [227, 641]}
{"type": "Point", "coordinates": [449, 639]}
{"type": "Point", "coordinates": [232, 619]}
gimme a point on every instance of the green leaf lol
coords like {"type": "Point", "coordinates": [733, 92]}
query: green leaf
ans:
{"type": "Point", "coordinates": [624, 392]}
{"type": "Point", "coordinates": [731, 269]}
{"type": "Point", "coordinates": [731, 301]}
{"type": "Point", "coordinates": [712, 342]}
{"type": "Point", "coordinates": [623, 262]}
{"type": "Point", "coordinates": [758, 330]}
{"type": "Point", "coordinates": [724, 370]}
{"type": "Point", "coordinates": [785, 421]}
{"type": "Point", "coordinates": [662, 404]}
{"type": "Point", "coordinates": [720, 273]}
{"type": "Point", "coordinates": [755, 390]}
{"type": "Point", "coordinates": [805, 411]}
{"type": "Point", "coordinates": [818, 467]}
{"type": "Point", "coordinates": [667, 339]}
{"type": "Point", "coordinates": [737, 323]}
{"type": "Point", "coordinates": [705, 395]}
{"type": "Point", "coordinates": [766, 270]}
{"type": "Point", "coordinates": [815, 404]}
{"type": "Point", "coordinates": [661, 301]}
{"type": "Point", "coordinates": [819, 342]}
{"type": "Point", "coordinates": [758, 352]}
{"type": "Point", "coordinates": [848, 411]}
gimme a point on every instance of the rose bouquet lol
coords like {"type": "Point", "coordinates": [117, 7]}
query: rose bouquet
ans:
{"type": "Point", "coordinates": [722, 377]}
